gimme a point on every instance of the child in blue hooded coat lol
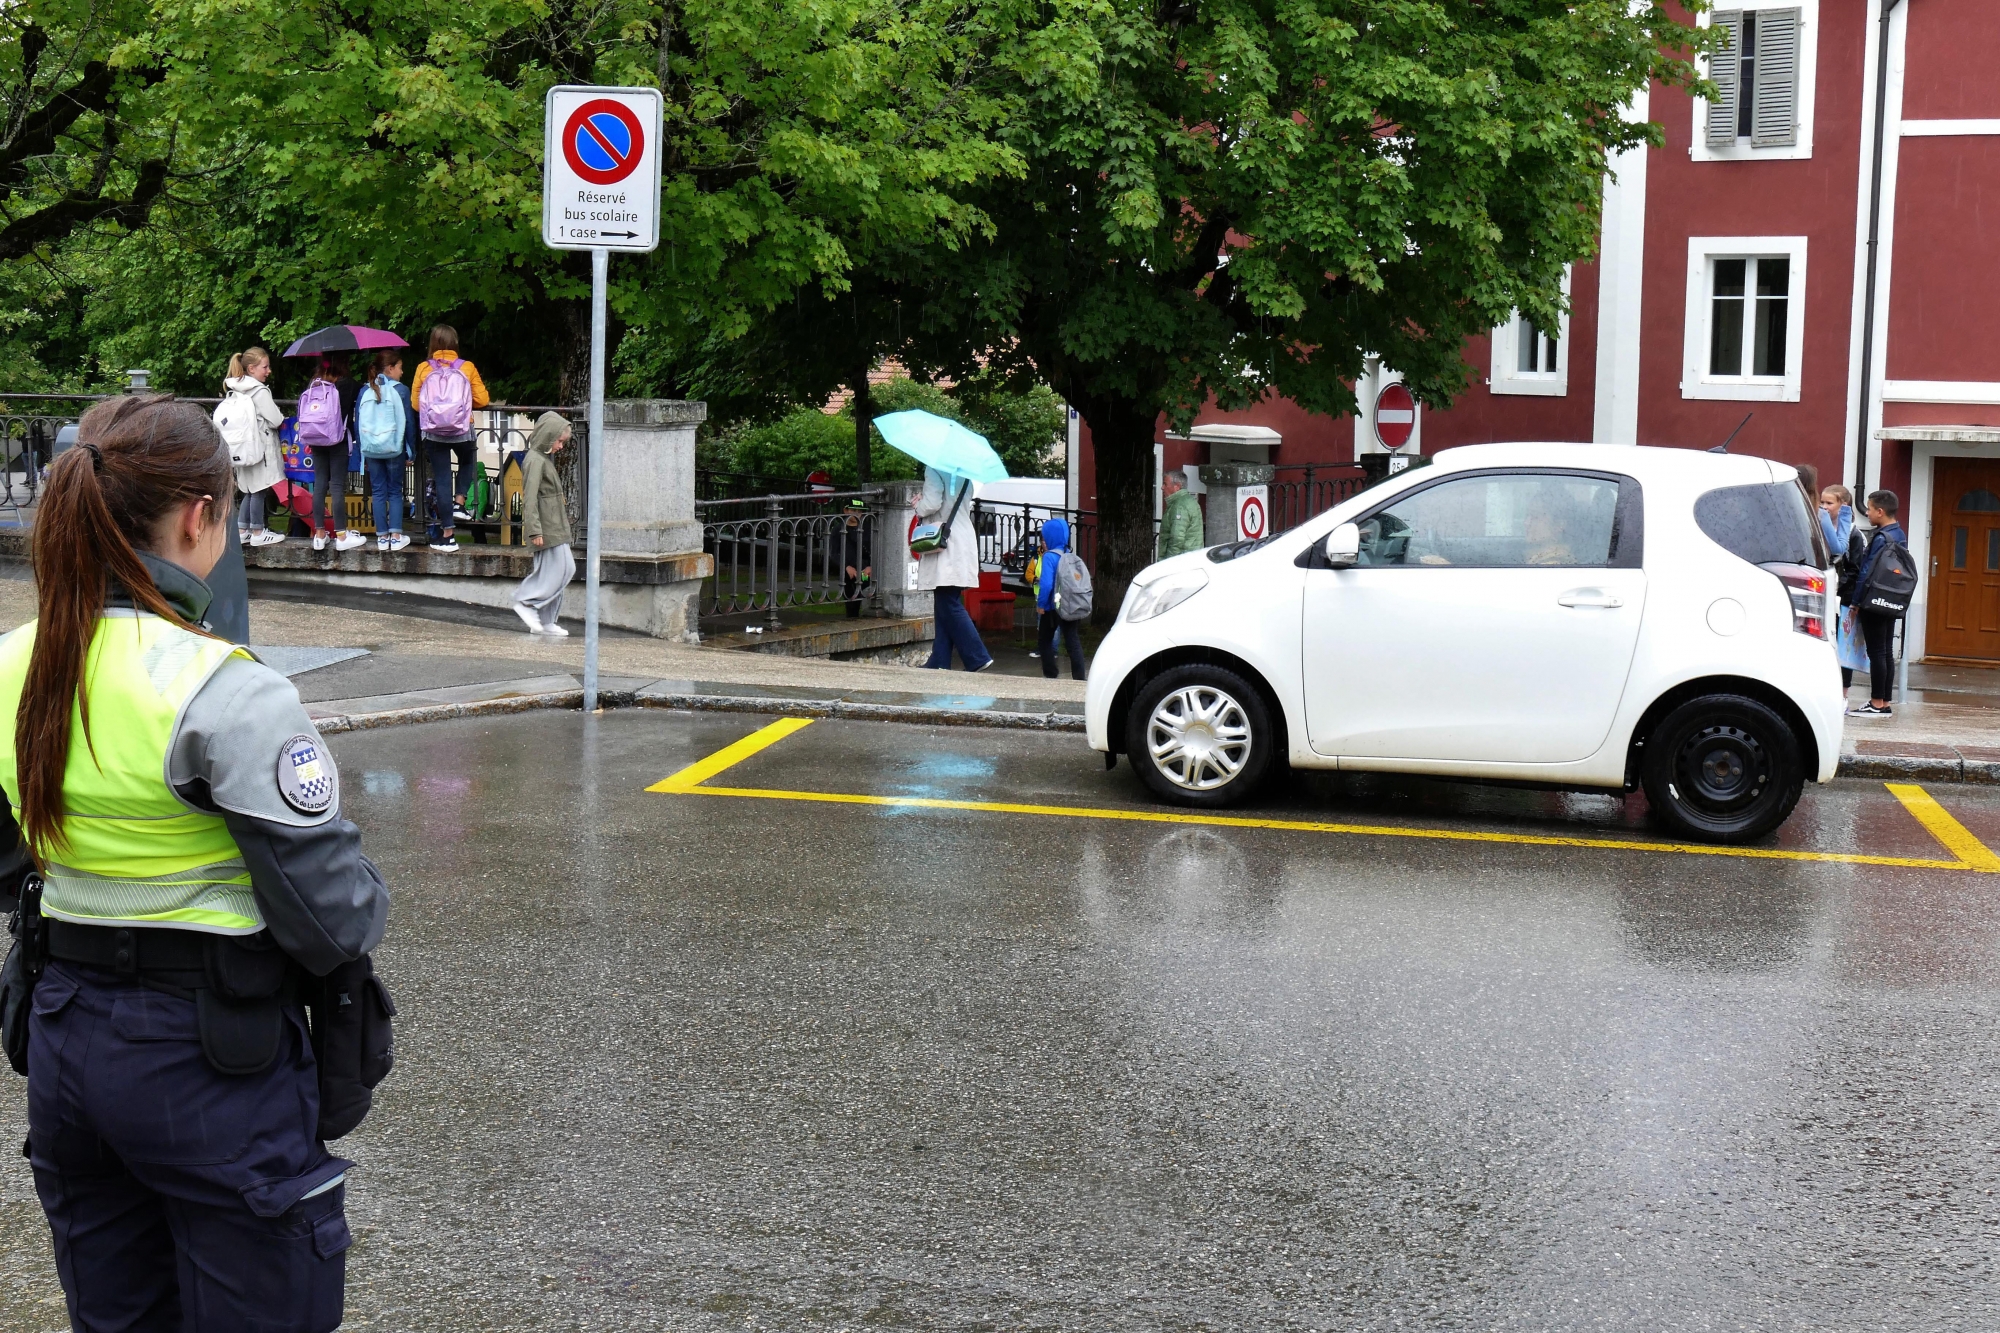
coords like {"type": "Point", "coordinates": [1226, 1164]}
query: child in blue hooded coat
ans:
{"type": "Point", "coordinates": [1055, 540]}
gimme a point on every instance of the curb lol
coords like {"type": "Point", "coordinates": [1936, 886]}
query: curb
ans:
{"type": "Point", "coordinates": [338, 723]}
{"type": "Point", "coordinates": [1920, 768]}
{"type": "Point", "coordinates": [1905, 768]}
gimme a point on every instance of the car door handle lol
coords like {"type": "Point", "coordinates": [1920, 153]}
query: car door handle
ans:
{"type": "Point", "coordinates": [1589, 597]}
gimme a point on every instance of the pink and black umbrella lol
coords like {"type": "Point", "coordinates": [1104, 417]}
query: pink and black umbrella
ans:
{"type": "Point", "coordinates": [343, 338]}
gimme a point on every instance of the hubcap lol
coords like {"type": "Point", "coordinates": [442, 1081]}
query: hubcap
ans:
{"type": "Point", "coordinates": [1199, 737]}
{"type": "Point", "coordinates": [1722, 769]}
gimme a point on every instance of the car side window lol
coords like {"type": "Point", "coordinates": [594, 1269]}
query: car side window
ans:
{"type": "Point", "coordinates": [1498, 521]}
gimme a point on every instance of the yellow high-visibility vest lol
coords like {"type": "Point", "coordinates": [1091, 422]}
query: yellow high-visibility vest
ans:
{"type": "Point", "coordinates": [136, 855]}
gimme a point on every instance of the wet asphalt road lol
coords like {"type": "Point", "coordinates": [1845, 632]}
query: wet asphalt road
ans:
{"type": "Point", "coordinates": [702, 1062]}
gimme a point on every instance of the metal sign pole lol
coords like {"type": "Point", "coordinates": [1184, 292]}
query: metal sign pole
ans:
{"type": "Point", "coordinates": [600, 268]}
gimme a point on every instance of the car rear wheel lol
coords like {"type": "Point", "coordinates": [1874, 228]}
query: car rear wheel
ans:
{"type": "Point", "coordinates": [1200, 735]}
{"type": "Point", "coordinates": [1722, 768]}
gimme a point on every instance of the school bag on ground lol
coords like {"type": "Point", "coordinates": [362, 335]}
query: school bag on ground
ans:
{"type": "Point", "coordinates": [1892, 582]}
{"type": "Point", "coordinates": [319, 415]}
{"type": "Point", "coordinates": [447, 395]}
{"type": "Point", "coordinates": [379, 422]}
{"type": "Point", "coordinates": [1072, 587]}
{"type": "Point", "coordinates": [236, 418]}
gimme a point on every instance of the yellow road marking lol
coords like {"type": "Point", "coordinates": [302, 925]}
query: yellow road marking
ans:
{"type": "Point", "coordinates": [1954, 835]}
{"type": "Point", "coordinates": [730, 755]}
{"type": "Point", "coordinates": [1971, 853]}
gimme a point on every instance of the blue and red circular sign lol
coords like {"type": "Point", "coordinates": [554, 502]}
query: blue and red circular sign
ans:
{"type": "Point", "coordinates": [602, 141]}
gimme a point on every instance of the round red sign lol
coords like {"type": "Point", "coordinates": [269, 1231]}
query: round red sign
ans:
{"type": "Point", "coordinates": [1250, 521]}
{"type": "Point", "coordinates": [1395, 416]}
{"type": "Point", "coordinates": [602, 141]}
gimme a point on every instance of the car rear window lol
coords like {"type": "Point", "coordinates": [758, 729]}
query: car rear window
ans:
{"type": "Point", "coordinates": [1763, 524]}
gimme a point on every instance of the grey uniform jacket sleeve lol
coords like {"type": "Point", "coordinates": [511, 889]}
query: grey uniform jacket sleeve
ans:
{"type": "Point", "coordinates": [234, 753]}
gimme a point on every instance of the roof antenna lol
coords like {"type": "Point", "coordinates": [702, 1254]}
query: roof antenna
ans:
{"type": "Point", "coordinates": [1723, 448]}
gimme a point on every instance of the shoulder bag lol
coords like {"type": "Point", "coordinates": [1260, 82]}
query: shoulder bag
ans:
{"type": "Point", "coordinates": [930, 537]}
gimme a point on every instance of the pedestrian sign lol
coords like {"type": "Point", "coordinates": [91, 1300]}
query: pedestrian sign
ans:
{"type": "Point", "coordinates": [1252, 512]}
{"type": "Point", "coordinates": [601, 168]}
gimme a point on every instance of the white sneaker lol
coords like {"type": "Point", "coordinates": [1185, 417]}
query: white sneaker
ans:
{"type": "Point", "coordinates": [381, 543]}
{"type": "Point", "coordinates": [555, 631]}
{"type": "Point", "coordinates": [528, 618]}
{"type": "Point", "coordinates": [266, 537]}
{"type": "Point", "coordinates": [319, 541]}
{"type": "Point", "coordinates": [397, 541]}
{"type": "Point", "coordinates": [242, 536]}
{"type": "Point", "coordinates": [348, 541]}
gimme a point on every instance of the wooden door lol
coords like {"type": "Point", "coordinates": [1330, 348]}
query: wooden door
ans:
{"type": "Point", "coordinates": [1965, 560]}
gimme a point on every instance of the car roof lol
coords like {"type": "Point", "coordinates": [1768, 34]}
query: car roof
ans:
{"type": "Point", "coordinates": [1644, 462]}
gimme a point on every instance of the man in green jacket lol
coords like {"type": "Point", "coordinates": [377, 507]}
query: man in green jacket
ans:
{"type": "Point", "coordinates": [545, 526]}
{"type": "Point", "coordinates": [1180, 522]}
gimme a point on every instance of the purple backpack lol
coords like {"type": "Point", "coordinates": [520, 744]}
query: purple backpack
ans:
{"type": "Point", "coordinates": [319, 415]}
{"type": "Point", "coordinates": [447, 395]}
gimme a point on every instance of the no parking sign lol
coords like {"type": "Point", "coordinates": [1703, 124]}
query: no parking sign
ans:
{"type": "Point", "coordinates": [601, 168]}
{"type": "Point", "coordinates": [1253, 512]}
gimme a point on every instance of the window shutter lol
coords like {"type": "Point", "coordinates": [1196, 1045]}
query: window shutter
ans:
{"type": "Point", "coordinates": [1774, 110]}
{"type": "Point", "coordinates": [1722, 72]}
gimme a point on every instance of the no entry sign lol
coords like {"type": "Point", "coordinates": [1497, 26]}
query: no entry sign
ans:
{"type": "Point", "coordinates": [601, 169]}
{"type": "Point", "coordinates": [1395, 416]}
{"type": "Point", "coordinates": [1253, 512]}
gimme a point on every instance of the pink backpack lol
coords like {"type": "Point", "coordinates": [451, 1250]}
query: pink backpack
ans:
{"type": "Point", "coordinates": [319, 415]}
{"type": "Point", "coordinates": [447, 395]}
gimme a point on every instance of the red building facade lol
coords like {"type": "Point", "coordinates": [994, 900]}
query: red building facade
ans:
{"type": "Point", "coordinates": [1734, 278]}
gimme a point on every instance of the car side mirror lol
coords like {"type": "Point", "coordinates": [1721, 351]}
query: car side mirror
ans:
{"type": "Point", "coordinates": [1343, 547]}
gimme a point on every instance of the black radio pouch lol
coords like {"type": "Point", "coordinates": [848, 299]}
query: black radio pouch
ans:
{"type": "Point", "coordinates": [353, 1041]}
{"type": "Point", "coordinates": [23, 968]}
{"type": "Point", "coordinates": [241, 1011]}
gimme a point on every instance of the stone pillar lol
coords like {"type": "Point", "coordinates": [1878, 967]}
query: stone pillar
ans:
{"type": "Point", "coordinates": [895, 567]}
{"type": "Point", "coordinates": [652, 538]}
{"type": "Point", "coordinates": [1222, 481]}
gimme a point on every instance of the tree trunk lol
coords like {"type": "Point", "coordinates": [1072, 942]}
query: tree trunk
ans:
{"type": "Point", "coordinates": [864, 417]}
{"type": "Point", "coordinates": [574, 390]}
{"type": "Point", "coordinates": [1121, 438]}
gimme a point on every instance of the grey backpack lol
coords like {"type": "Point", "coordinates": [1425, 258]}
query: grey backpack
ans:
{"type": "Point", "coordinates": [1072, 587]}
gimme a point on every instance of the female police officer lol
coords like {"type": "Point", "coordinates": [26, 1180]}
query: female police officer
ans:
{"type": "Point", "coordinates": [185, 820]}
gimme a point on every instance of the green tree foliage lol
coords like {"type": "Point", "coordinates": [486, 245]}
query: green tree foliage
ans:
{"type": "Point", "coordinates": [1229, 199]}
{"type": "Point", "coordinates": [1024, 428]}
{"type": "Point", "coordinates": [380, 164]}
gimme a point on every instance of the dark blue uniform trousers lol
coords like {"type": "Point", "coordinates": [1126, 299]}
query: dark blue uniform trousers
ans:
{"type": "Point", "coordinates": [176, 1194]}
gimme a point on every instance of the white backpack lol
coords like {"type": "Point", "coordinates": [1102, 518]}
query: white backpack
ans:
{"type": "Point", "coordinates": [236, 418]}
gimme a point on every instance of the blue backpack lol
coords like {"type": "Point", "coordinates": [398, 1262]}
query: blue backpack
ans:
{"type": "Point", "coordinates": [379, 421]}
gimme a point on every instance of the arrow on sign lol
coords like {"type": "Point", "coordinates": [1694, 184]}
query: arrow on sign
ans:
{"type": "Point", "coordinates": [628, 235]}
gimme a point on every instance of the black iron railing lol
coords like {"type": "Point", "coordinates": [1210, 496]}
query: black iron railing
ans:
{"type": "Point", "coordinates": [778, 552]}
{"type": "Point", "coordinates": [1306, 490]}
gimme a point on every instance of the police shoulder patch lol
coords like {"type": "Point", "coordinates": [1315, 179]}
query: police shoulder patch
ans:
{"type": "Point", "coordinates": [306, 775]}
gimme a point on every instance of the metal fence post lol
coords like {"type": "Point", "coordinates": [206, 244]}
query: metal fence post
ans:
{"type": "Point", "coordinates": [771, 512]}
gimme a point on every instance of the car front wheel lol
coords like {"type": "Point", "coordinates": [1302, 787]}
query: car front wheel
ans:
{"type": "Point", "coordinates": [1722, 768]}
{"type": "Point", "coordinates": [1200, 735]}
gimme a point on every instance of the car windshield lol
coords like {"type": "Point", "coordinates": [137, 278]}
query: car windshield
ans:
{"type": "Point", "coordinates": [1498, 521]}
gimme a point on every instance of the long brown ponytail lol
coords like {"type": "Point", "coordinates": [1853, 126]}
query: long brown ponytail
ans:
{"type": "Point", "coordinates": [137, 457]}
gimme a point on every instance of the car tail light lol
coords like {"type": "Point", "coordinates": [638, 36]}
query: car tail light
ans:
{"type": "Point", "coordinates": [1807, 588]}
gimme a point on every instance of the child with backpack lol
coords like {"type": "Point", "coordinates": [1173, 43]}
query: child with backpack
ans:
{"type": "Point", "coordinates": [1062, 596]}
{"type": "Point", "coordinates": [447, 390]}
{"type": "Point", "coordinates": [323, 416]}
{"type": "Point", "coordinates": [381, 423]}
{"type": "Point", "coordinates": [248, 419]}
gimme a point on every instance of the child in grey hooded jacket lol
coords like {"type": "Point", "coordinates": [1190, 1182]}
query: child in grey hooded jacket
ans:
{"type": "Point", "coordinates": [545, 526]}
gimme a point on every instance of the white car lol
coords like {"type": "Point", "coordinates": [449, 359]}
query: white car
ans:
{"type": "Point", "coordinates": [1579, 616]}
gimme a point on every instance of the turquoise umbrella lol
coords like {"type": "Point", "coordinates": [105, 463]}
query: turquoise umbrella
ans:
{"type": "Point", "coordinates": [942, 443]}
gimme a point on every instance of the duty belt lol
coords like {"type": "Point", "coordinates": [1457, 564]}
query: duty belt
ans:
{"type": "Point", "coordinates": [175, 957]}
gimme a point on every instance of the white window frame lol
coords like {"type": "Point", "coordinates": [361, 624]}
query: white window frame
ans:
{"type": "Point", "coordinates": [1701, 151]}
{"type": "Point", "coordinates": [1506, 377]}
{"type": "Point", "coordinates": [1696, 382]}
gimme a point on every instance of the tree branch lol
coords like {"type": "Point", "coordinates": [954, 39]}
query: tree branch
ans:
{"type": "Point", "coordinates": [78, 209]}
